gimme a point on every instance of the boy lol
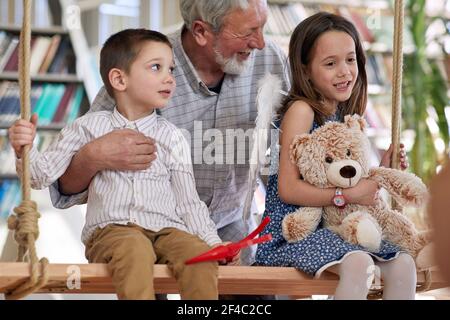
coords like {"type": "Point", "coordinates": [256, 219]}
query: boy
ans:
{"type": "Point", "coordinates": [135, 218]}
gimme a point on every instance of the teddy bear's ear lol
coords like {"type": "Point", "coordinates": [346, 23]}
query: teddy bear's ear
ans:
{"type": "Point", "coordinates": [296, 147]}
{"type": "Point", "coordinates": [355, 121]}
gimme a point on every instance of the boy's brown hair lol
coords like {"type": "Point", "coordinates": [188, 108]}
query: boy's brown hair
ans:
{"type": "Point", "coordinates": [122, 48]}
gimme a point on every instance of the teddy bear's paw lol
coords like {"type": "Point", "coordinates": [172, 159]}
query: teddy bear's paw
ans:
{"type": "Point", "coordinates": [425, 258]}
{"type": "Point", "coordinates": [368, 235]}
{"type": "Point", "coordinates": [294, 228]}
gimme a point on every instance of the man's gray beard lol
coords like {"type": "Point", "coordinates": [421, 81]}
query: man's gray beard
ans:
{"type": "Point", "coordinates": [231, 65]}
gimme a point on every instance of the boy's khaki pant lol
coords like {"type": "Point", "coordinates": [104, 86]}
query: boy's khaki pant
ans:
{"type": "Point", "coordinates": [131, 251]}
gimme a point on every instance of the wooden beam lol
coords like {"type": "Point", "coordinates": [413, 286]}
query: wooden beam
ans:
{"type": "Point", "coordinates": [95, 278]}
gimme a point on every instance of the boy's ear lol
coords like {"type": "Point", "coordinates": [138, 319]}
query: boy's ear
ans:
{"type": "Point", "coordinates": [200, 31]}
{"type": "Point", "coordinates": [117, 79]}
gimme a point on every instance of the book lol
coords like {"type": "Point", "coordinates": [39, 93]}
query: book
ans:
{"type": "Point", "coordinates": [13, 62]}
{"type": "Point", "coordinates": [64, 103]}
{"type": "Point", "coordinates": [5, 186]}
{"type": "Point", "coordinates": [40, 104]}
{"type": "Point", "coordinates": [74, 108]}
{"type": "Point", "coordinates": [13, 44]}
{"type": "Point", "coordinates": [9, 102]}
{"type": "Point", "coordinates": [62, 58]}
{"type": "Point", "coordinates": [54, 96]}
{"type": "Point", "coordinates": [9, 198]}
{"type": "Point", "coordinates": [5, 39]}
{"type": "Point", "coordinates": [50, 55]}
{"type": "Point", "coordinates": [38, 53]}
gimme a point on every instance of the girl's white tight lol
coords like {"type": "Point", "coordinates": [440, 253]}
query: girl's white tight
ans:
{"type": "Point", "coordinates": [357, 271]}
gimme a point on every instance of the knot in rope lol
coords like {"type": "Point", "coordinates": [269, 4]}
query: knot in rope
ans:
{"type": "Point", "coordinates": [25, 222]}
{"type": "Point", "coordinates": [26, 230]}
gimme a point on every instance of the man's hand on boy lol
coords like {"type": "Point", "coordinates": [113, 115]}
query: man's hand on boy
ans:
{"type": "Point", "coordinates": [124, 150]}
{"type": "Point", "coordinates": [22, 133]}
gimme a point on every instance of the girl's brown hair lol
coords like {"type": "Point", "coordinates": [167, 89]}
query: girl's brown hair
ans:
{"type": "Point", "coordinates": [302, 42]}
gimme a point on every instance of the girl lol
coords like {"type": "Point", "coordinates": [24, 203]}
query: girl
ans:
{"type": "Point", "coordinates": [328, 82]}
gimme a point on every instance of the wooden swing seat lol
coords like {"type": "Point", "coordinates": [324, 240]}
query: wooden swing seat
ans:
{"type": "Point", "coordinates": [95, 278]}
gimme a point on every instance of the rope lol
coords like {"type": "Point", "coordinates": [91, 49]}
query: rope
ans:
{"type": "Point", "coordinates": [377, 293]}
{"type": "Point", "coordinates": [397, 80]}
{"type": "Point", "coordinates": [428, 282]}
{"type": "Point", "coordinates": [397, 87]}
{"type": "Point", "coordinates": [397, 103]}
{"type": "Point", "coordinates": [25, 221]}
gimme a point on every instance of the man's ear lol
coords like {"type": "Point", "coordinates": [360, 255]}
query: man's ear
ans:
{"type": "Point", "coordinates": [200, 30]}
{"type": "Point", "coordinates": [117, 79]}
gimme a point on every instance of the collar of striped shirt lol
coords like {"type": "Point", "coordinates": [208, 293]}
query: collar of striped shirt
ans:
{"type": "Point", "coordinates": [142, 125]}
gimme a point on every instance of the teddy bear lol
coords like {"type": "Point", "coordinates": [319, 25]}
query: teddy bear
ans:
{"type": "Point", "coordinates": [337, 155]}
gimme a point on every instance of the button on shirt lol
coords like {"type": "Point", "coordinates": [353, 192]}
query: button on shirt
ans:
{"type": "Point", "coordinates": [213, 121]}
{"type": "Point", "coordinates": [158, 197]}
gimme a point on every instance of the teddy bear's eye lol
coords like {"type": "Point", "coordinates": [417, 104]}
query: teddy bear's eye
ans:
{"type": "Point", "coordinates": [328, 159]}
{"type": "Point", "coordinates": [349, 153]}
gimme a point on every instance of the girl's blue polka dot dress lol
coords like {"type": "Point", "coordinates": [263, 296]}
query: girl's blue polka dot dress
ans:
{"type": "Point", "coordinates": [315, 253]}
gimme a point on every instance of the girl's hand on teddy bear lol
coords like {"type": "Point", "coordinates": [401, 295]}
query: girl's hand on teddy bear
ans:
{"type": "Point", "coordinates": [386, 160]}
{"type": "Point", "coordinates": [364, 193]}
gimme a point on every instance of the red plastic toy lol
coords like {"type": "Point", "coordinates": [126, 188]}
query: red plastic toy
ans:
{"type": "Point", "coordinates": [227, 252]}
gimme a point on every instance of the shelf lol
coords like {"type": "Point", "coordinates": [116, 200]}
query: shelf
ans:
{"type": "Point", "coordinates": [41, 31]}
{"type": "Point", "coordinates": [373, 4]}
{"type": "Point", "coordinates": [49, 127]}
{"type": "Point", "coordinates": [363, 4]}
{"type": "Point", "coordinates": [8, 176]}
{"type": "Point", "coordinates": [47, 77]}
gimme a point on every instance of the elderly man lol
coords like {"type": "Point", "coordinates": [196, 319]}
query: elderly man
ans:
{"type": "Point", "coordinates": [217, 73]}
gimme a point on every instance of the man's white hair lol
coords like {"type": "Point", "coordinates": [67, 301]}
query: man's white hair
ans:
{"type": "Point", "coordinates": [210, 11]}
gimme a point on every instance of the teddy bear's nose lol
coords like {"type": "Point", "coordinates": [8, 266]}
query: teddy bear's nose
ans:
{"type": "Point", "coordinates": [348, 172]}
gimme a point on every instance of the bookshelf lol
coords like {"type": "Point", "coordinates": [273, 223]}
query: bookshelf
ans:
{"type": "Point", "coordinates": [64, 78]}
{"type": "Point", "coordinates": [51, 30]}
{"type": "Point", "coordinates": [61, 82]}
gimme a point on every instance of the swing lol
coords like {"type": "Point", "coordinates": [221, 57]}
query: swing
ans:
{"type": "Point", "coordinates": [18, 279]}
